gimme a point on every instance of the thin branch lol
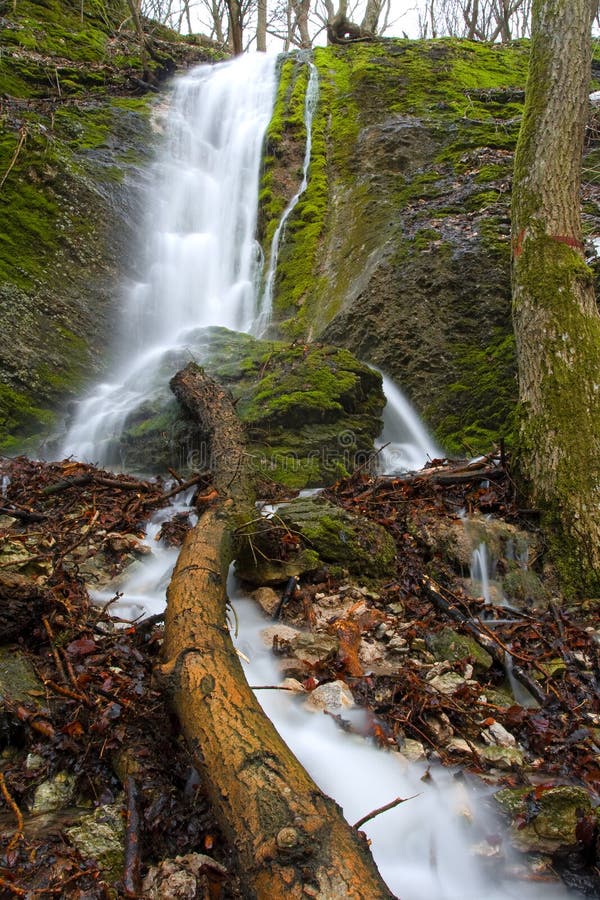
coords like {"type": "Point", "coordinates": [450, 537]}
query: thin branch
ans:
{"type": "Point", "coordinates": [382, 809]}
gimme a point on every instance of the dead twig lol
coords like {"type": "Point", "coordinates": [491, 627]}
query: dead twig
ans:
{"type": "Point", "coordinates": [131, 873]}
{"type": "Point", "coordinates": [382, 809]}
{"type": "Point", "coordinates": [19, 833]}
{"type": "Point", "coordinates": [57, 659]}
{"type": "Point", "coordinates": [15, 156]}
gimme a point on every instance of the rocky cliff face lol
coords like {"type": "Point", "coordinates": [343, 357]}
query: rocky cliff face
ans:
{"type": "Point", "coordinates": [76, 136]}
{"type": "Point", "coordinates": [399, 249]}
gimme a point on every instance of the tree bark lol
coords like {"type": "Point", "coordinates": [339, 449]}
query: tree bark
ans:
{"type": "Point", "coordinates": [301, 10]}
{"type": "Point", "coordinates": [556, 320]}
{"type": "Point", "coordinates": [261, 26]}
{"type": "Point", "coordinates": [236, 31]}
{"type": "Point", "coordinates": [292, 841]}
{"type": "Point", "coordinates": [371, 16]}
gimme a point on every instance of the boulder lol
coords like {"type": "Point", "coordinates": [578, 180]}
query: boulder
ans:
{"type": "Point", "coordinates": [324, 535]}
{"type": "Point", "coordinates": [544, 820]}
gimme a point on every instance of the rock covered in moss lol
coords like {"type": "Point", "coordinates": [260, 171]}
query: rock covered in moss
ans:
{"type": "Point", "coordinates": [311, 412]}
{"type": "Point", "coordinates": [325, 535]}
{"type": "Point", "coordinates": [100, 836]}
{"type": "Point", "coordinates": [544, 820]}
{"type": "Point", "coordinates": [449, 645]}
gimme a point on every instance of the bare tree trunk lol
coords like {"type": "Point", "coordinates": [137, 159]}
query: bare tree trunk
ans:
{"type": "Point", "coordinates": [292, 841]}
{"type": "Point", "coordinates": [188, 16]}
{"type": "Point", "coordinates": [134, 9]}
{"type": "Point", "coordinates": [471, 15]}
{"type": "Point", "coordinates": [236, 36]}
{"type": "Point", "coordinates": [261, 26]}
{"type": "Point", "coordinates": [556, 320]}
{"type": "Point", "coordinates": [217, 14]}
{"type": "Point", "coordinates": [371, 16]}
{"type": "Point", "coordinates": [301, 11]}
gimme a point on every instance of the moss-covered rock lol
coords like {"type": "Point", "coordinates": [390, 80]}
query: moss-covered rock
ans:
{"type": "Point", "coordinates": [449, 645]}
{"type": "Point", "coordinates": [399, 248]}
{"type": "Point", "coordinates": [101, 837]}
{"type": "Point", "coordinates": [316, 533]}
{"type": "Point", "coordinates": [545, 820]}
{"type": "Point", "coordinates": [311, 412]}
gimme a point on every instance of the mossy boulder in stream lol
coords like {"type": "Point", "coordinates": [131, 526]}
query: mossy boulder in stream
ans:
{"type": "Point", "coordinates": [313, 533]}
{"type": "Point", "coordinates": [311, 412]}
{"type": "Point", "coordinates": [544, 820]}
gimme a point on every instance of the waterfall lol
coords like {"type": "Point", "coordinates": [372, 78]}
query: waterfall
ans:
{"type": "Point", "coordinates": [404, 443]}
{"type": "Point", "coordinates": [201, 260]}
{"type": "Point", "coordinates": [310, 103]}
{"type": "Point", "coordinates": [480, 570]}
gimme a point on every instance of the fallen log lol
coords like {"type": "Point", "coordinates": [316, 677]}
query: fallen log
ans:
{"type": "Point", "coordinates": [292, 841]}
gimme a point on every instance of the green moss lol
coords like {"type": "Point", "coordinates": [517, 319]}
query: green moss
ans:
{"type": "Point", "coordinates": [18, 414]}
{"type": "Point", "coordinates": [479, 410]}
{"type": "Point", "coordinates": [552, 276]}
{"type": "Point", "coordinates": [355, 544]}
{"type": "Point", "coordinates": [311, 413]}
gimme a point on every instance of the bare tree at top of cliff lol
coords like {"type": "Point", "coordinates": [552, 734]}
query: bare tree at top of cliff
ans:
{"type": "Point", "coordinates": [484, 20]}
{"type": "Point", "coordinates": [556, 320]}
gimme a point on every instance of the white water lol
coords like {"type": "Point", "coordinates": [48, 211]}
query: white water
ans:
{"type": "Point", "coordinates": [202, 261]}
{"type": "Point", "coordinates": [409, 446]}
{"type": "Point", "coordinates": [310, 104]}
{"type": "Point", "coordinates": [424, 847]}
{"type": "Point", "coordinates": [202, 270]}
{"type": "Point", "coordinates": [480, 570]}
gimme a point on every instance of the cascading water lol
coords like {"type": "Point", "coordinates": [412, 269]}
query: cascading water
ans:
{"type": "Point", "coordinates": [404, 443]}
{"type": "Point", "coordinates": [480, 570]}
{"type": "Point", "coordinates": [202, 258]}
{"type": "Point", "coordinates": [202, 270]}
{"type": "Point", "coordinates": [310, 103]}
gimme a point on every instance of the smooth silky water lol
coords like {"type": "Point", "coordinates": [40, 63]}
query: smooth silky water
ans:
{"type": "Point", "coordinates": [203, 268]}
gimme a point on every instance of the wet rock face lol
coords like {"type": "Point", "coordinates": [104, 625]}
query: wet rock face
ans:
{"type": "Point", "coordinates": [400, 144]}
{"type": "Point", "coordinates": [406, 260]}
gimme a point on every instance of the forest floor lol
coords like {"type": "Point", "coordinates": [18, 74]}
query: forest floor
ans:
{"type": "Point", "coordinates": [100, 794]}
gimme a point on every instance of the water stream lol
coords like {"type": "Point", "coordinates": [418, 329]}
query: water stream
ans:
{"type": "Point", "coordinates": [202, 265]}
{"type": "Point", "coordinates": [310, 104]}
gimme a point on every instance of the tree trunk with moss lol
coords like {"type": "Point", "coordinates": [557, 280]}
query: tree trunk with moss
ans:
{"type": "Point", "coordinates": [556, 320]}
{"type": "Point", "coordinates": [292, 841]}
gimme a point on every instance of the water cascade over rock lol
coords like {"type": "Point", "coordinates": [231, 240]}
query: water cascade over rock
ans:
{"type": "Point", "coordinates": [202, 260]}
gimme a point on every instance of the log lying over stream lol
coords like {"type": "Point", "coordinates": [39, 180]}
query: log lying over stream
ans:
{"type": "Point", "coordinates": [292, 841]}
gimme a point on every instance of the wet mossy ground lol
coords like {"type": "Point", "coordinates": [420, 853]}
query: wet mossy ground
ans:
{"type": "Point", "coordinates": [407, 262]}
{"type": "Point", "coordinates": [75, 135]}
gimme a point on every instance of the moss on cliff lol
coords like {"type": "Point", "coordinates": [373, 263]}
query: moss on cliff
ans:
{"type": "Point", "coordinates": [398, 249]}
{"type": "Point", "coordinates": [74, 133]}
{"type": "Point", "coordinates": [311, 413]}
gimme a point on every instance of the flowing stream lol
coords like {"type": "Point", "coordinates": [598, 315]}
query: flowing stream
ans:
{"type": "Point", "coordinates": [203, 268]}
{"type": "Point", "coordinates": [310, 103]}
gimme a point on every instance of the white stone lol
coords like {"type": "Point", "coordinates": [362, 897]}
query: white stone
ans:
{"type": "Point", "coordinates": [497, 734]}
{"type": "Point", "coordinates": [281, 632]}
{"type": "Point", "coordinates": [334, 696]}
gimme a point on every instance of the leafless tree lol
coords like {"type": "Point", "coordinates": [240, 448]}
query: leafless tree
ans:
{"type": "Point", "coordinates": [484, 20]}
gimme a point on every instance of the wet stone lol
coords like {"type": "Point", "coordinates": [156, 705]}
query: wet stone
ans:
{"type": "Point", "coordinates": [334, 696]}
{"type": "Point", "coordinates": [449, 645]}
